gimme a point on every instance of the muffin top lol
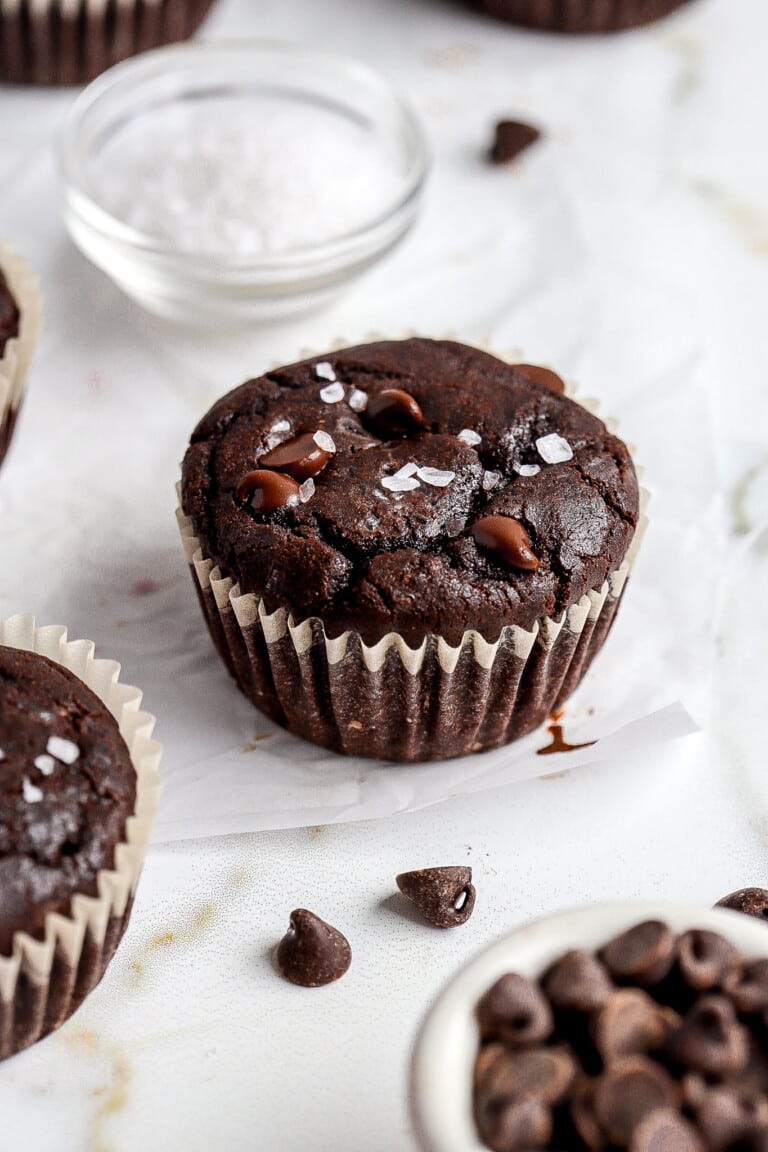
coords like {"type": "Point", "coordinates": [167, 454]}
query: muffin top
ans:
{"type": "Point", "coordinates": [67, 787]}
{"type": "Point", "coordinates": [414, 486]}
{"type": "Point", "coordinates": [9, 314]}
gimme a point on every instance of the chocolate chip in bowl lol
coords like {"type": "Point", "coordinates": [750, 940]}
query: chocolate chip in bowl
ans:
{"type": "Point", "coordinates": [587, 1032]}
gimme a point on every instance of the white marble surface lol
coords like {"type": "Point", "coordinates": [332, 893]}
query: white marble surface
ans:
{"type": "Point", "coordinates": [651, 251]}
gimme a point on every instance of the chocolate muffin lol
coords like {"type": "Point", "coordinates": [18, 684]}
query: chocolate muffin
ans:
{"type": "Point", "coordinates": [71, 840]}
{"type": "Point", "coordinates": [20, 316]}
{"type": "Point", "coordinates": [60, 42]}
{"type": "Point", "coordinates": [407, 549]}
{"type": "Point", "coordinates": [579, 15]}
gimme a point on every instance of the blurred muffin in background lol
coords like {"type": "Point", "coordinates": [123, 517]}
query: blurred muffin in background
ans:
{"type": "Point", "coordinates": [579, 15]}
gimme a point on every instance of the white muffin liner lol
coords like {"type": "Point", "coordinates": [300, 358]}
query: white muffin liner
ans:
{"type": "Point", "coordinates": [17, 354]}
{"type": "Point", "coordinates": [44, 981]}
{"type": "Point", "coordinates": [388, 700]}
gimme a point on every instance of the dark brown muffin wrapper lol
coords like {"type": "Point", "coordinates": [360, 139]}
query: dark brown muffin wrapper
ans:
{"type": "Point", "coordinates": [16, 357]}
{"type": "Point", "coordinates": [389, 701]}
{"type": "Point", "coordinates": [73, 41]}
{"type": "Point", "coordinates": [44, 981]}
{"type": "Point", "coordinates": [579, 15]}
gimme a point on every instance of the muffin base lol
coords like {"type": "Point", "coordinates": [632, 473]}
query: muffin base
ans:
{"type": "Point", "coordinates": [44, 981]}
{"type": "Point", "coordinates": [73, 41]}
{"type": "Point", "coordinates": [17, 353]}
{"type": "Point", "coordinates": [578, 16]}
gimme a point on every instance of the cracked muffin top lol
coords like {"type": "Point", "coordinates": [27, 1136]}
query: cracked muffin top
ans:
{"type": "Point", "coordinates": [67, 787]}
{"type": "Point", "coordinates": [410, 486]}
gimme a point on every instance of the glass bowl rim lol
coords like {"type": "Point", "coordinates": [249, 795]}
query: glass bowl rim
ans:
{"type": "Point", "coordinates": [131, 74]}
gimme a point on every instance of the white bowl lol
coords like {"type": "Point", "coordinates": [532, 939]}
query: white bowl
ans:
{"type": "Point", "coordinates": [444, 1056]}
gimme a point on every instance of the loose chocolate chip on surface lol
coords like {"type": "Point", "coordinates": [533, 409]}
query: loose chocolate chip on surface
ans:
{"type": "Point", "coordinates": [628, 1091]}
{"type": "Point", "coordinates": [515, 1011]}
{"type": "Point", "coordinates": [394, 412]}
{"type": "Point", "coordinates": [312, 953]}
{"type": "Point", "coordinates": [630, 1023]}
{"type": "Point", "coordinates": [747, 988]}
{"type": "Point", "coordinates": [511, 137]}
{"type": "Point", "coordinates": [506, 539]}
{"type": "Point", "coordinates": [704, 959]}
{"type": "Point", "coordinates": [301, 457]}
{"type": "Point", "coordinates": [643, 954]}
{"type": "Point", "coordinates": [544, 376]}
{"type": "Point", "coordinates": [750, 901]}
{"type": "Point", "coordinates": [711, 1039]}
{"type": "Point", "coordinates": [268, 491]}
{"type": "Point", "coordinates": [508, 1124]}
{"type": "Point", "coordinates": [578, 983]}
{"type": "Point", "coordinates": [666, 1131]}
{"type": "Point", "coordinates": [444, 896]}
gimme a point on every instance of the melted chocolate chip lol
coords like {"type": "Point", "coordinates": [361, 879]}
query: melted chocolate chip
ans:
{"type": "Point", "coordinates": [300, 457]}
{"type": "Point", "coordinates": [444, 896]}
{"type": "Point", "coordinates": [511, 137]}
{"type": "Point", "coordinates": [516, 1011]}
{"type": "Point", "coordinates": [394, 413]}
{"type": "Point", "coordinates": [312, 953]}
{"type": "Point", "coordinates": [543, 376]}
{"type": "Point", "coordinates": [507, 540]}
{"type": "Point", "coordinates": [750, 901]}
{"type": "Point", "coordinates": [268, 491]}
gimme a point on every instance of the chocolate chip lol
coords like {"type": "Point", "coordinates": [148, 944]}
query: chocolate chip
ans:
{"type": "Point", "coordinates": [268, 491]}
{"type": "Point", "coordinates": [747, 987]}
{"type": "Point", "coordinates": [578, 983]}
{"type": "Point", "coordinates": [394, 413]}
{"type": "Point", "coordinates": [508, 1124]}
{"type": "Point", "coordinates": [631, 1023]}
{"type": "Point", "coordinates": [582, 1113]}
{"type": "Point", "coordinates": [704, 959]}
{"type": "Point", "coordinates": [511, 137]}
{"type": "Point", "coordinates": [627, 1092]}
{"type": "Point", "coordinates": [507, 540]}
{"type": "Point", "coordinates": [728, 1116]}
{"type": "Point", "coordinates": [300, 457]}
{"type": "Point", "coordinates": [643, 954]}
{"type": "Point", "coordinates": [665, 1131]}
{"type": "Point", "coordinates": [515, 1011]}
{"type": "Point", "coordinates": [312, 953]}
{"type": "Point", "coordinates": [444, 896]}
{"type": "Point", "coordinates": [543, 376]}
{"type": "Point", "coordinates": [711, 1039]}
{"type": "Point", "coordinates": [546, 1073]}
{"type": "Point", "coordinates": [750, 901]}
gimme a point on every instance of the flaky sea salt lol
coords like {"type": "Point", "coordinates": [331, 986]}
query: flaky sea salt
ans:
{"type": "Point", "coordinates": [281, 426]}
{"type": "Point", "coordinates": [324, 441]}
{"type": "Point", "coordinates": [32, 794]}
{"type": "Point", "coordinates": [436, 477]}
{"type": "Point", "coordinates": [45, 764]}
{"type": "Point", "coordinates": [469, 437]}
{"type": "Point", "coordinates": [65, 750]}
{"type": "Point", "coordinates": [332, 393]}
{"type": "Point", "coordinates": [527, 469]}
{"type": "Point", "coordinates": [490, 480]}
{"type": "Point", "coordinates": [324, 371]}
{"type": "Point", "coordinates": [379, 495]}
{"type": "Point", "coordinates": [554, 449]}
{"type": "Point", "coordinates": [252, 176]}
{"type": "Point", "coordinates": [400, 484]}
{"type": "Point", "coordinates": [358, 400]}
{"type": "Point", "coordinates": [307, 490]}
{"type": "Point", "coordinates": [407, 470]}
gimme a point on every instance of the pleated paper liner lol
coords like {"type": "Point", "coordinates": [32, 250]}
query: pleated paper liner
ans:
{"type": "Point", "coordinates": [17, 354]}
{"type": "Point", "coordinates": [390, 701]}
{"type": "Point", "coordinates": [579, 15]}
{"type": "Point", "coordinates": [44, 981]}
{"type": "Point", "coordinates": [73, 41]}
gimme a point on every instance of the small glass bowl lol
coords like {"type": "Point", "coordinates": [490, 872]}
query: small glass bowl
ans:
{"type": "Point", "coordinates": [115, 123]}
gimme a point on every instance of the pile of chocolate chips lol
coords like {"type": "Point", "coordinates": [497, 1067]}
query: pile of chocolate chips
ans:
{"type": "Point", "coordinates": [658, 1043]}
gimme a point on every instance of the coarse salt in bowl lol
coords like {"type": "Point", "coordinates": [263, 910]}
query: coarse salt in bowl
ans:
{"type": "Point", "coordinates": [227, 182]}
